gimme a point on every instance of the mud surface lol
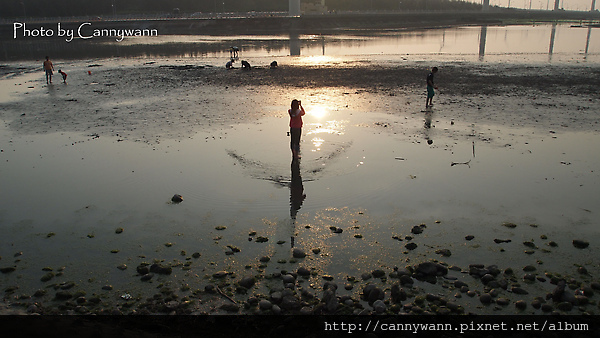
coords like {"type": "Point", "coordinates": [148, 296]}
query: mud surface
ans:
{"type": "Point", "coordinates": [183, 261]}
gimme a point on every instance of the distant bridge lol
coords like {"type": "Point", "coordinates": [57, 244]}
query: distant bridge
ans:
{"type": "Point", "coordinates": [294, 6]}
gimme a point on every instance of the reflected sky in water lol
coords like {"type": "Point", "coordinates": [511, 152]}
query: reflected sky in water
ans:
{"type": "Point", "coordinates": [338, 153]}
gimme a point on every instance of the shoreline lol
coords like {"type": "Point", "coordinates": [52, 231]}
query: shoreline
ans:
{"type": "Point", "coordinates": [328, 23]}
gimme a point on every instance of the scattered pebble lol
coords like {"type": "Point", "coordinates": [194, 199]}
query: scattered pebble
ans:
{"type": "Point", "coordinates": [298, 253]}
{"type": "Point", "coordinates": [580, 244]}
{"type": "Point", "coordinates": [247, 282]}
{"type": "Point", "coordinates": [411, 246]}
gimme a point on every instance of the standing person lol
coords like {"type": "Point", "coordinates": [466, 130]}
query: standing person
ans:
{"type": "Point", "coordinates": [430, 87]}
{"type": "Point", "coordinates": [49, 68]}
{"type": "Point", "coordinates": [296, 112]}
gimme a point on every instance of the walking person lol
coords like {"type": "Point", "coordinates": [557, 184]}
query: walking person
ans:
{"type": "Point", "coordinates": [430, 88]}
{"type": "Point", "coordinates": [49, 68]}
{"type": "Point", "coordinates": [296, 112]}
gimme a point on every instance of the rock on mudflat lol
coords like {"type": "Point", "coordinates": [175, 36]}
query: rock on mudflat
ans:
{"type": "Point", "coordinates": [176, 198]}
{"type": "Point", "coordinates": [276, 309]}
{"type": "Point", "coordinates": [411, 246]}
{"type": "Point", "coordinates": [485, 298]}
{"type": "Point", "coordinates": [444, 252]}
{"type": "Point", "coordinates": [8, 269]}
{"type": "Point", "coordinates": [290, 303]}
{"type": "Point", "coordinates": [230, 307]}
{"type": "Point", "coordinates": [378, 273]}
{"type": "Point", "coordinates": [372, 293]}
{"type": "Point", "coordinates": [302, 271]}
{"type": "Point", "coordinates": [147, 277]}
{"type": "Point", "coordinates": [142, 270]}
{"type": "Point", "coordinates": [220, 274]}
{"type": "Point", "coordinates": [288, 279]}
{"type": "Point", "coordinates": [417, 229]}
{"type": "Point", "coordinates": [518, 291]}
{"type": "Point", "coordinates": [431, 269]}
{"type": "Point", "coordinates": [580, 244]}
{"type": "Point", "coordinates": [298, 253]}
{"type": "Point", "coordinates": [161, 269]}
{"type": "Point", "coordinates": [379, 306]}
{"type": "Point", "coordinates": [265, 305]}
{"type": "Point", "coordinates": [398, 294]}
{"type": "Point", "coordinates": [306, 310]}
{"type": "Point", "coordinates": [502, 301]}
{"type": "Point", "coordinates": [47, 277]}
{"type": "Point", "coordinates": [247, 282]}
{"type": "Point", "coordinates": [63, 295]}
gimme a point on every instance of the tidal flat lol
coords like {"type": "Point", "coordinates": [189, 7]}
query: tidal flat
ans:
{"type": "Point", "coordinates": [485, 203]}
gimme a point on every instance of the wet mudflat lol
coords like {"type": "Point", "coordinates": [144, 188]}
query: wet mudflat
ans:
{"type": "Point", "coordinates": [485, 203]}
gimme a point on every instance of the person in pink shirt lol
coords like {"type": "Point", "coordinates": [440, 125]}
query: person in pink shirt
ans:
{"type": "Point", "coordinates": [296, 112]}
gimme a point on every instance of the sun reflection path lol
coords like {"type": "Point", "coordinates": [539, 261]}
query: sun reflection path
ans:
{"type": "Point", "coordinates": [318, 60]}
{"type": "Point", "coordinates": [319, 129]}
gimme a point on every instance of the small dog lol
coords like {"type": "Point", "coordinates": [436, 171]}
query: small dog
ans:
{"type": "Point", "coordinates": [64, 75]}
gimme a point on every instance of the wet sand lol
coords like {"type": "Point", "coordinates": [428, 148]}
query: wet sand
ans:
{"type": "Point", "coordinates": [181, 98]}
{"type": "Point", "coordinates": [167, 101]}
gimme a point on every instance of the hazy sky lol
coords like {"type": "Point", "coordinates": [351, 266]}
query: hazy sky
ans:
{"type": "Point", "coordinates": [543, 4]}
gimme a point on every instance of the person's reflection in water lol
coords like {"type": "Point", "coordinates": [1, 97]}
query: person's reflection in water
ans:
{"type": "Point", "coordinates": [427, 126]}
{"type": "Point", "coordinates": [297, 195]}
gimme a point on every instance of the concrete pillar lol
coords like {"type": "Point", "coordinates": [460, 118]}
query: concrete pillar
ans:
{"type": "Point", "coordinates": [294, 9]}
{"type": "Point", "coordinates": [486, 5]}
{"type": "Point", "coordinates": [556, 4]}
{"type": "Point", "coordinates": [593, 6]}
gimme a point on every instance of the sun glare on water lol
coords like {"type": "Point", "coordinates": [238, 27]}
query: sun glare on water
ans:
{"type": "Point", "coordinates": [317, 112]}
{"type": "Point", "coordinates": [321, 125]}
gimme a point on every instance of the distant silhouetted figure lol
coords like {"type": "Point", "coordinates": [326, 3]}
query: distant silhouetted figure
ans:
{"type": "Point", "coordinates": [49, 68]}
{"type": "Point", "coordinates": [430, 88]}
{"type": "Point", "coordinates": [234, 52]}
{"type": "Point", "coordinates": [273, 64]}
{"type": "Point", "coordinates": [246, 65]}
{"type": "Point", "coordinates": [64, 75]}
{"type": "Point", "coordinates": [229, 64]}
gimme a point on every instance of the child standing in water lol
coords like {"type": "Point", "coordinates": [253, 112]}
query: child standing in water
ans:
{"type": "Point", "coordinates": [296, 112]}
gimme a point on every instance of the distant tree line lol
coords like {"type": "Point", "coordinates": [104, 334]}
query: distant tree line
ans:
{"type": "Point", "coordinates": [66, 8]}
